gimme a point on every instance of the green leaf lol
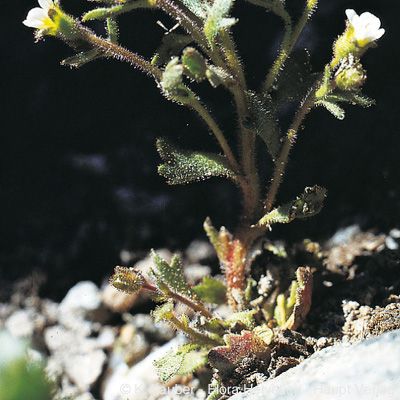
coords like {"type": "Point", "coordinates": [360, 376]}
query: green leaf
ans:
{"type": "Point", "coordinates": [80, 59]}
{"type": "Point", "coordinates": [182, 166]}
{"type": "Point", "coordinates": [309, 203]}
{"type": "Point", "coordinates": [211, 290]}
{"type": "Point", "coordinates": [245, 318]}
{"type": "Point", "coordinates": [183, 361]}
{"type": "Point", "coordinates": [295, 80]}
{"type": "Point", "coordinates": [171, 274]}
{"type": "Point", "coordinates": [333, 108]}
{"type": "Point", "coordinates": [264, 122]}
{"type": "Point", "coordinates": [217, 19]}
{"type": "Point", "coordinates": [353, 98]}
{"type": "Point", "coordinates": [106, 12]}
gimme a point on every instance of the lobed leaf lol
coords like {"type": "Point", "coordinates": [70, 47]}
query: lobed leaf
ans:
{"type": "Point", "coordinates": [309, 203]}
{"type": "Point", "coordinates": [171, 274]}
{"type": "Point", "coordinates": [183, 166]}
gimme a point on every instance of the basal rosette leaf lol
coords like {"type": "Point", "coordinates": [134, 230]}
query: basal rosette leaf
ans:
{"type": "Point", "coordinates": [180, 362]}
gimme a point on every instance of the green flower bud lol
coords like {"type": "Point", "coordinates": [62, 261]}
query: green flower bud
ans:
{"type": "Point", "coordinates": [127, 280]}
{"type": "Point", "coordinates": [194, 64]}
{"type": "Point", "coordinates": [350, 76]}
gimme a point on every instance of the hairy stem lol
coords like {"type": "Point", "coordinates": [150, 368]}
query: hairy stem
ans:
{"type": "Point", "coordinates": [290, 140]}
{"type": "Point", "coordinates": [251, 195]}
{"type": "Point", "coordinates": [289, 41]}
{"type": "Point", "coordinates": [216, 130]}
{"type": "Point", "coordinates": [195, 306]}
{"type": "Point", "coordinates": [198, 337]}
{"type": "Point", "coordinates": [120, 53]}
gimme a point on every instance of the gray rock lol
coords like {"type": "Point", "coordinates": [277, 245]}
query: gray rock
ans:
{"type": "Point", "coordinates": [22, 323]}
{"type": "Point", "coordinates": [369, 370]}
{"type": "Point", "coordinates": [139, 382]}
{"type": "Point", "coordinates": [84, 369]}
{"type": "Point", "coordinates": [83, 296]}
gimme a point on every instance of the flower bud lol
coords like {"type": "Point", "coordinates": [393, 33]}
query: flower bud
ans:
{"type": "Point", "coordinates": [194, 64]}
{"type": "Point", "coordinates": [350, 76]}
{"type": "Point", "coordinates": [127, 280]}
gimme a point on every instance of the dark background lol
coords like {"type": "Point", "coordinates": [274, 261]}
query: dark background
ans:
{"type": "Point", "coordinates": [78, 179]}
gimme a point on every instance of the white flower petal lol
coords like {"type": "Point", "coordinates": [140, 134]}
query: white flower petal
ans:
{"type": "Point", "coordinates": [371, 23]}
{"type": "Point", "coordinates": [379, 34]}
{"type": "Point", "coordinates": [36, 14]}
{"type": "Point", "coordinates": [351, 14]}
{"type": "Point", "coordinates": [33, 23]}
{"type": "Point", "coordinates": [46, 4]}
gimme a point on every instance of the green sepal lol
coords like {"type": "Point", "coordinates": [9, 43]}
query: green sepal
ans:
{"type": "Point", "coordinates": [309, 203]}
{"type": "Point", "coordinates": [211, 290]}
{"type": "Point", "coordinates": [183, 166]}
{"type": "Point", "coordinates": [171, 274]}
{"type": "Point", "coordinates": [180, 362]}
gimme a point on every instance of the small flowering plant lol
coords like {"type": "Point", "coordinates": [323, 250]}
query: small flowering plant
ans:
{"type": "Point", "coordinates": [201, 50]}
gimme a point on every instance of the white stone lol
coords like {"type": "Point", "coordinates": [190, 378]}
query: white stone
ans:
{"type": "Point", "coordinates": [369, 370]}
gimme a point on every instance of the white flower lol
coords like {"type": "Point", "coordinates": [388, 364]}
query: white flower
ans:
{"type": "Point", "coordinates": [367, 27]}
{"type": "Point", "coordinates": [39, 17]}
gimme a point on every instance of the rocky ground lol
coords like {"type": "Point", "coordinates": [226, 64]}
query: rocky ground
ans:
{"type": "Point", "coordinates": [100, 344]}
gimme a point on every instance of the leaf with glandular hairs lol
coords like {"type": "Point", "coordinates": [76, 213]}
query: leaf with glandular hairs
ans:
{"type": "Point", "coordinates": [333, 108]}
{"type": "Point", "coordinates": [211, 290]}
{"type": "Point", "coordinates": [82, 58]}
{"type": "Point", "coordinates": [308, 204]}
{"type": "Point", "coordinates": [264, 121]}
{"type": "Point", "coordinates": [183, 166]}
{"type": "Point", "coordinates": [171, 274]}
